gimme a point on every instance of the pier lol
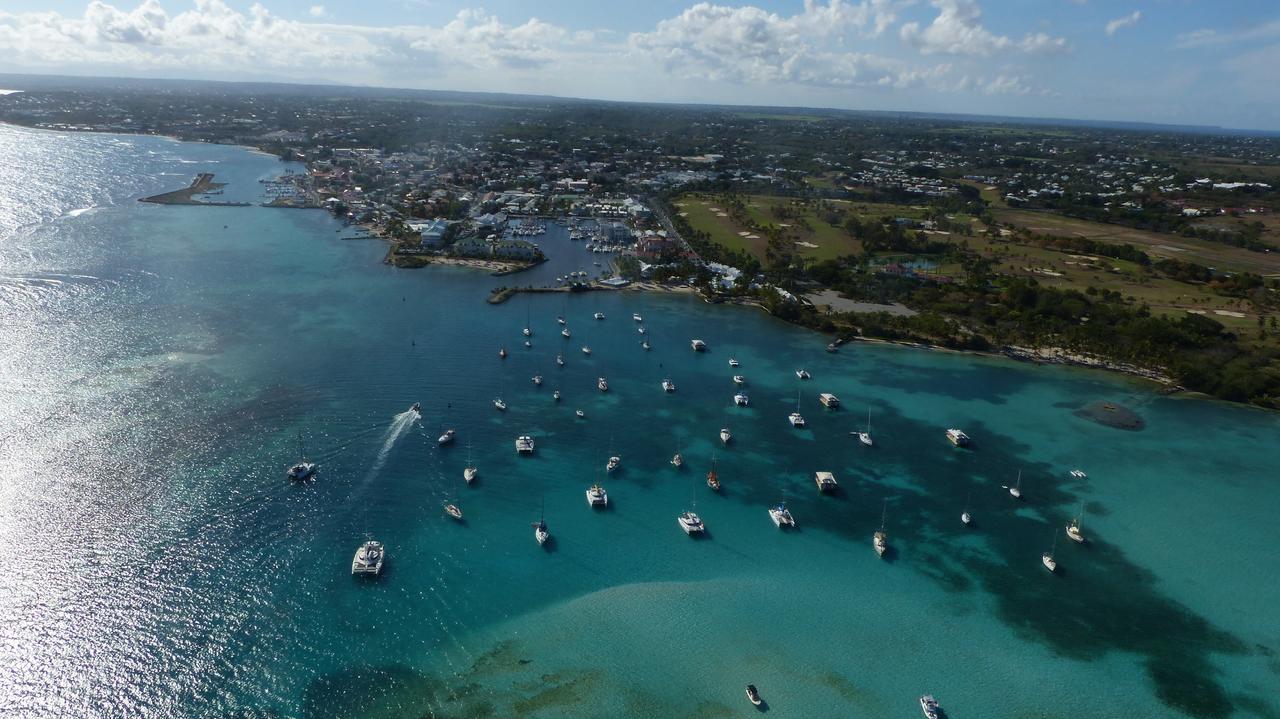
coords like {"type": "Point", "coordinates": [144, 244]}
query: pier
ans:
{"type": "Point", "coordinates": [202, 185]}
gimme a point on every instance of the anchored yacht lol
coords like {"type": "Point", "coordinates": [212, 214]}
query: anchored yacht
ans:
{"type": "Point", "coordinates": [741, 399]}
{"type": "Point", "coordinates": [537, 380]}
{"type": "Point", "coordinates": [725, 435]}
{"type": "Point", "coordinates": [560, 360]}
{"type": "Point", "coordinates": [540, 532]}
{"type": "Point", "coordinates": [733, 362]}
{"type": "Point", "coordinates": [691, 523]}
{"type": "Point", "coordinates": [929, 706]}
{"type": "Point", "coordinates": [524, 444]}
{"type": "Point", "coordinates": [565, 333]}
{"type": "Point", "coordinates": [597, 497]}
{"type": "Point", "coordinates": [452, 510]}
{"type": "Point", "coordinates": [601, 384]}
{"type": "Point", "coordinates": [613, 463]}
{"type": "Point", "coordinates": [958, 438]}
{"type": "Point", "coordinates": [1073, 531]}
{"type": "Point", "coordinates": [739, 380]}
{"type": "Point", "coordinates": [826, 481]}
{"type": "Point", "coordinates": [599, 315]}
{"type": "Point", "coordinates": [637, 318]}
{"type": "Point", "coordinates": [677, 460]}
{"type": "Point", "coordinates": [499, 404]}
{"type": "Point", "coordinates": [698, 345]}
{"type": "Point", "coordinates": [781, 516]}
{"type": "Point", "coordinates": [668, 385]}
{"type": "Point", "coordinates": [556, 395]}
{"type": "Point", "coordinates": [796, 420]}
{"type": "Point", "coordinates": [802, 374]}
{"type": "Point", "coordinates": [586, 350]}
{"type": "Point", "coordinates": [447, 437]}
{"type": "Point", "coordinates": [368, 559]}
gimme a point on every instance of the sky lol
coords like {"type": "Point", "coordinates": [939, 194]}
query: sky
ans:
{"type": "Point", "coordinates": [1209, 62]}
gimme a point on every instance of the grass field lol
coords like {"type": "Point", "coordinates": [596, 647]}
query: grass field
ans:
{"type": "Point", "coordinates": [819, 241]}
{"type": "Point", "coordinates": [1211, 254]}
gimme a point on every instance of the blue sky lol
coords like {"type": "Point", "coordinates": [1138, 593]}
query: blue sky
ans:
{"type": "Point", "coordinates": [1169, 61]}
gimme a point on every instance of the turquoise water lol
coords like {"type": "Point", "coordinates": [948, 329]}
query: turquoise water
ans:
{"type": "Point", "coordinates": [159, 361]}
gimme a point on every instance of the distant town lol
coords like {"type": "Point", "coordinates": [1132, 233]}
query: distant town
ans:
{"type": "Point", "coordinates": [1150, 251]}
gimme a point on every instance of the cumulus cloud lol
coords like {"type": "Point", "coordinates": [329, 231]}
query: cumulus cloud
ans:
{"type": "Point", "coordinates": [958, 30]}
{"type": "Point", "coordinates": [1121, 23]}
{"type": "Point", "coordinates": [317, 11]}
{"type": "Point", "coordinates": [748, 44]}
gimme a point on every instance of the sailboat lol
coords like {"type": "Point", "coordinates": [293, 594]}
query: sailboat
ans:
{"type": "Point", "coordinates": [1047, 558]}
{"type": "Point", "coordinates": [469, 472]}
{"type": "Point", "coordinates": [452, 510]}
{"type": "Point", "coordinates": [713, 479]}
{"type": "Point", "coordinates": [795, 417]}
{"type": "Point", "coordinates": [540, 531]}
{"type": "Point", "coordinates": [677, 460]}
{"type": "Point", "coordinates": [965, 516]}
{"type": "Point", "coordinates": [614, 460]}
{"type": "Point", "coordinates": [689, 520]}
{"type": "Point", "coordinates": [1073, 529]}
{"type": "Point", "coordinates": [560, 360]}
{"type": "Point", "coordinates": [528, 329]}
{"type": "Point", "coordinates": [303, 469]}
{"type": "Point", "coordinates": [781, 516]}
{"type": "Point", "coordinates": [1016, 490]}
{"type": "Point", "coordinates": [881, 540]}
{"type": "Point", "coordinates": [865, 437]}
{"type": "Point", "coordinates": [725, 435]}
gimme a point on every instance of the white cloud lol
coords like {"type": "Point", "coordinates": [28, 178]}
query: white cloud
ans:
{"type": "Point", "coordinates": [317, 11]}
{"type": "Point", "coordinates": [1207, 36]}
{"type": "Point", "coordinates": [1123, 22]}
{"type": "Point", "coordinates": [958, 30]}
{"type": "Point", "coordinates": [748, 44]}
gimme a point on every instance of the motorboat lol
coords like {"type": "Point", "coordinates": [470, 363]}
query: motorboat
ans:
{"type": "Point", "coordinates": [733, 362]}
{"type": "Point", "coordinates": [958, 438]}
{"type": "Point", "coordinates": [597, 497]}
{"type": "Point", "coordinates": [668, 385]}
{"type": "Point", "coordinates": [537, 380]}
{"type": "Point", "coordinates": [802, 374]}
{"type": "Point", "coordinates": [637, 318]}
{"type": "Point", "coordinates": [499, 404]}
{"type": "Point", "coordinates": [781, 516]}
{"type": "Point", "coordinates": [560, 360]}
{"type": "Point", "coordinates": [739, 380]}
{"type": "Point", "coordinates": [645, 345]}
{"type": "Point", "coordinates": [580, 414]}
{"type": "Point", "coordinates": [796, 420]}
{"type": "Point", "coordinates": [565, 333]}
{"type": "Point", "coordinates": [416, 408]}
{"type": "Point", "coordinates": [677, 460]}
{"type": "Point", "coordinates": [613, 463]}
{"type": "Point", "coordinates": [540, 532]}
{"type": "Point", "coordinates": [502, 353]}
{"type": "Point", "coordinates": [447, 437]}
{"type": "Point", "coordinates": [741, 399]}
{"type": "Point", "coordinates": [828, 400]}
{"type": "Point", "coordinates": [556, 395]}
{"type": "Point", "coordinates": [524, 444]}
{"type": "Point", "coordinates": [826, 481]}
{"type": "Point", "coordinates": [691, 523]}
{"type": "Point", "coordinates": [966, 518]}
{"type": "Point", "coordinates": [601, 384]}
{"type": "Point", "coordinates": [753, 695]}
{"type": "Point", "coordinates": [452, 510]}
{"type": "Point", "coordinates": [599, 315]}
{"type": "Point", "coordinates": [698, 345]}
{"type": "Point", "coordinates": [527, 332]}
{"type": "Point", "coordinates": [368, 559]}
{"type": "Point", "coordinates": [642, 330]}
{"type": "Point", "coordinates": [929, 706]}
{"type": "Point", "coordinates": [586, 350]}
{"type": "Point", "coordinates": [725, 435]}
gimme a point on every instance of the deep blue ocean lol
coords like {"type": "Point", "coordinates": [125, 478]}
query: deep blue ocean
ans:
{"type": "Point", "coordinates": [157, 365]}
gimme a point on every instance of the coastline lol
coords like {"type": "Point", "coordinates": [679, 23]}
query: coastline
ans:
{"type": "Point", "coordinates": [1048, 355]}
